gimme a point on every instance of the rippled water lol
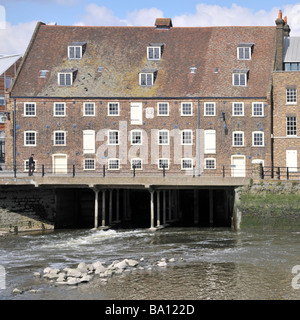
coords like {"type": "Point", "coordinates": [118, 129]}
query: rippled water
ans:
{"type": "Point", "coordinates": [210, 263]}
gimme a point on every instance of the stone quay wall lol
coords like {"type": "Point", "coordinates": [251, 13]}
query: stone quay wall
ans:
{"type": "Point", "coordinates": [26, 209]}
{"type": "Point", "coordinates": [269, 205]}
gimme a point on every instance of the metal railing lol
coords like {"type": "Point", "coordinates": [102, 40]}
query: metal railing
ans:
{"type": "Point", "coordinates": [76, 170]}
{"type": "Point", "coordinates": [281, 173]}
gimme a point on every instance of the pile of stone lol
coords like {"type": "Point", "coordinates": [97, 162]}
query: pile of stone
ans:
{"type": "Point", "coordinates": [85, 272]}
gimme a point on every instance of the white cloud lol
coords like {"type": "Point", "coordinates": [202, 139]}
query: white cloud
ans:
{"type": "Point", "coordinates": [102, 16]}
{"type": "Point", "coordinates": [15, 38]}
{"type": "Point", "coordinates": [293, 16]}
{"type": "Point", "coordinates": [99, 16]}
{"type": "Point", "coordinates": [144, 17]}
{"type": "Point", "coordinates": [214, 15]}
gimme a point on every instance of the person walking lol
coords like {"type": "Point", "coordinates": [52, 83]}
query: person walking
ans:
{"type": "Point", "coordinates": [31, 165]}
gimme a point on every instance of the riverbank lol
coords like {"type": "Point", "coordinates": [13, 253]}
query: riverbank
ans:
{"type": "Point", "coordinates": [269, 205]}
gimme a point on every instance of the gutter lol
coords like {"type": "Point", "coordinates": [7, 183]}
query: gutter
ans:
{"type": "Point", "coordinates": [139, 98]}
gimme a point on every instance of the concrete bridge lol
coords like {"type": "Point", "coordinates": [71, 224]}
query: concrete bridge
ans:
{"type": "Point", "coordinates": [160, 200]}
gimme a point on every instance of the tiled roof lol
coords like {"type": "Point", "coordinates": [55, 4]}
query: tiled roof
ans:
{"type": "Point", "coordinates": [122, 53]}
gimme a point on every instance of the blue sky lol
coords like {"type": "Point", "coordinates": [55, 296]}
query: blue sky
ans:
{"type": "Point", "coordinates": [70, 11]}
{"type": "Point", "coordinates": [21, 16]}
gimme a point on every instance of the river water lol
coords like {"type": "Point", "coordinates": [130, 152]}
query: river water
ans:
{"type": "Point", "coordinates": [209, 264]}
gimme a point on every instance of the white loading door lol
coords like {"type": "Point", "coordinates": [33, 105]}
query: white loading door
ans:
{"type": "Point", "coordinates": [291, 160]}
{"type": "Point", "coordinates": [238, 166]}
{"type": "Point", "coordinates": [88, 141]}
{"type": "Point", "coordinates": [210, 141]}
{"type": "Point", "coordinates": [60, 164]}
{"type": "Point", "coordinates": [136, 113]}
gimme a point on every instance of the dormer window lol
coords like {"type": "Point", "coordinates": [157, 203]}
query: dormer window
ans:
{"type": "Point", "coordinates": [240, 77]}
{"type": "Point", "coordinates": [76, 50]}
{"type": "Point", "coordinates": [66, 77]}
{"type": "Point", "coordinates": [147, 78]}
{"type": "Point", "coordinates": [154, 51]}
{"type": "Point", "coordinates": [244, 51]}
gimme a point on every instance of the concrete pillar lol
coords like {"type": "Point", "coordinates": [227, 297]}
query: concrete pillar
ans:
{"type": "Point", "coordinates": [176, 204]}
{"type": "Point", "coordinates": [128, 205]}
{"type": "Point", "coordinates": [196, 207]}
{"type": "Point", "coordinates": [96, 208]}
{"type": "Point", "coordinates": [103, 208]}
{"type": "Point", "coordinates": [152, 209]}
{"type": "Point", "coordinates": [125, 204]}
{"type": "Point", "coordinates": [118, 205]}
{"type": "Point", "coordinates": [158, 208]}
{"type": "Point", "coordinates": [170, 205]}
{"type": "Point", "coordinates": [164, 207]}
{"type": "Point", "coordinates": [237, 214]}
{"type": "Point", "coordinates": [110, 207]}
{"type": "Point", "coordinates": [211, 207]}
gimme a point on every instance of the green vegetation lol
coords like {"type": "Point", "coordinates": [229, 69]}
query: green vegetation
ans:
{"type": "Point", "coordinates": [270, 205]}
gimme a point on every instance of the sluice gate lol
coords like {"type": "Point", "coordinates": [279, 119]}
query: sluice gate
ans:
{"type": "Point", "coordinates": [141, 208]}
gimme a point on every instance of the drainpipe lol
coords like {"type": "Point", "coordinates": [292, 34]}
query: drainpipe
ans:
{"type": "Point", "coordinates": [14, 130]}
{"type": "Point", "coordinates": [198, 138]}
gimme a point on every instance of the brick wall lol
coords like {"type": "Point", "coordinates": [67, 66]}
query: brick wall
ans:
{"type": "Point", "coordinates": [44, 123]}
{"type": "Point", "coordinates": [26, 209]}
{"type": "Point", "coordinates": [282, 143]}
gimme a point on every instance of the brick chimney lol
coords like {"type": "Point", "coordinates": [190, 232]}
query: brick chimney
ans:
{"type": "Point", "coordinates": [279, 42]}
{"type": "Point", "coordinates": [163, 23]}
{"type": "Point", "coordinates": [286, 28]}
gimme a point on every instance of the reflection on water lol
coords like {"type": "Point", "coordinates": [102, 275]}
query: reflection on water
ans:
{"type": "Point", "coordinates": [210, 263]}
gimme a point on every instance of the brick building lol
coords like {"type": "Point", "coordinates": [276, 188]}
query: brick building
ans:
{"type": "Point", "coordinates": [8, 69]}
{"type": "Point", "coordinates": [286, 113]}
{"type": "Point", "coordinates": [149, 97]}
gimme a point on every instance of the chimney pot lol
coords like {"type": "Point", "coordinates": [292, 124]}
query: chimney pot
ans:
{"type": "Point", "coordinates": [280, 14]}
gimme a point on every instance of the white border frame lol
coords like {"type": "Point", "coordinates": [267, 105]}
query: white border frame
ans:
{"type": "Point", "coordinates": [263, 111]}
{"type": "Point", "coordinates": [215, 161]}
{"type": "Point", "coordinates": [238, 115]}
{"type": "Point", "coordinates": [89, 115]}
{"type": "Point", "coordinates": [65, 109]}
{"type": "Point", "coordinates": [64, 85]}
{"type": "Point", "coordinates": [139, 159]}
{"type": "Point", "coordinates": [108, 138]}
{"type": "Point", "coordinates": [78, 46]}
{"type": "Point", "coordinates": [181, 109]}
{"type": "Point", "coordinates": [84, 168]}
{"type": "Point", "coordinates": [108, 164]}
{"type": "Point", "coordinates": [263, 139]}
{"type": "Point", "coordinates": [30, 145]}
{"type": "Point", "coordinates": [136, 130]}
{"type": "Point", "coordinates": [210, 115]}
{"type": "Point", "coordinates": [192, 138]}
{"type": "Point", "coordinates": [163, 144]}
{"type": "Point", "coordinates": [163, 115]}
{"type": "Point", "coordinates": [243, 134]}
{"type": "Point", "coordinates": [25, 115]}
{"type": "Point", "coordinates": [113, 115]}
{"type": "Point", "coordinates": [154, 47]}
{"type": "Point", "coordinates": [54, 139]}
{"type": "Point", "coordinates": [168, 168]}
